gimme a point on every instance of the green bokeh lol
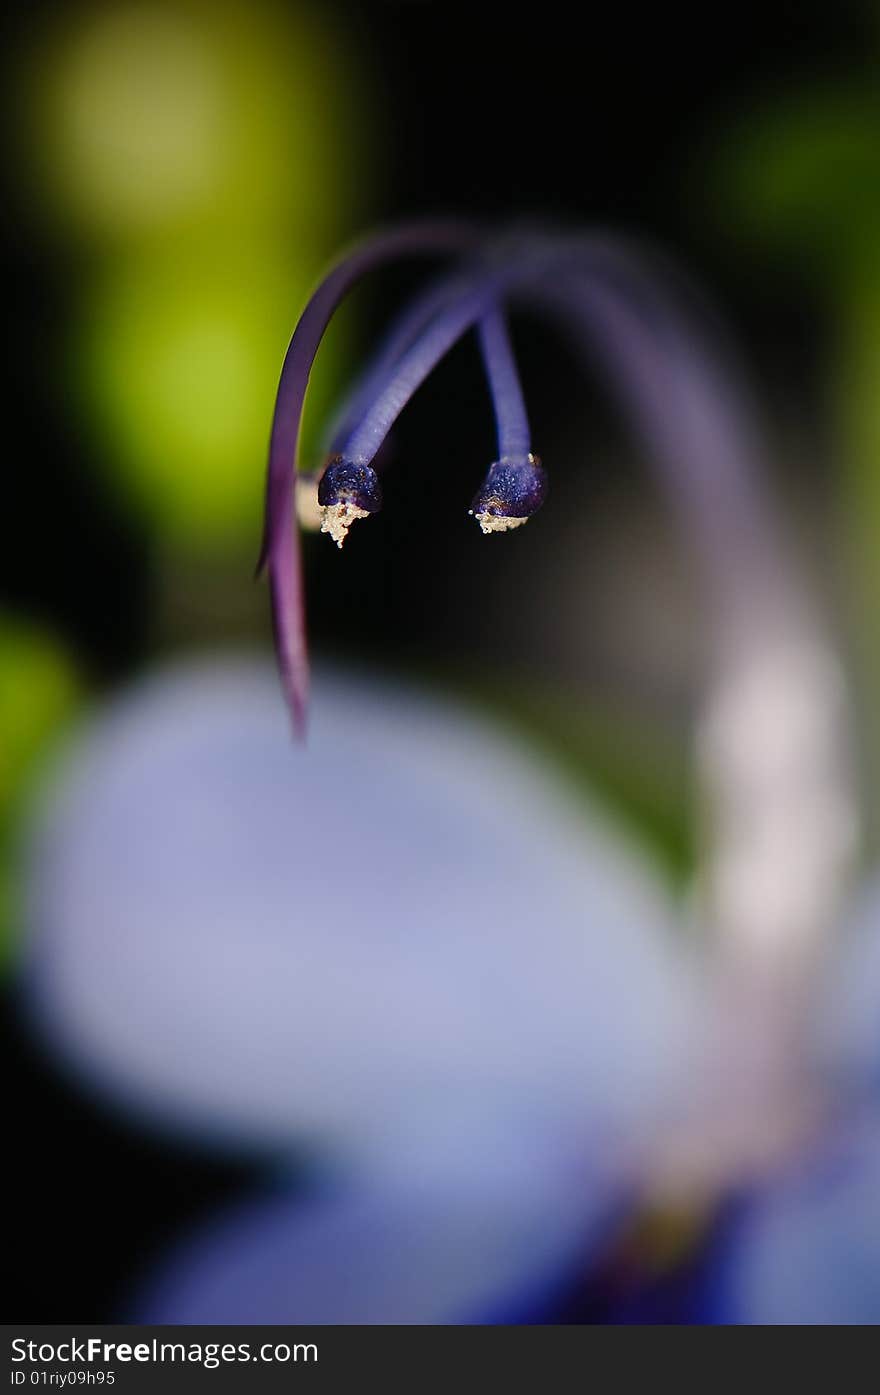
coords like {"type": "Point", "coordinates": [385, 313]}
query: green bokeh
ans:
{"type": "Point", "coordinates": [802, 175]}
{"type": "Point", "coordinates": [177, 364]}
{"type": "Point", "coordinates": [204, 159]}
{"type": "Point", "coordinates": [151, 117]}
{"type": "Point", "coordinates": [39, 693]}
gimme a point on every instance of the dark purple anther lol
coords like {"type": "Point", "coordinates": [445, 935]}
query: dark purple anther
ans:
{"type": "Point", "coordinates": [512, 491]}
{"type": "Point", "coordinates": [346, 492]}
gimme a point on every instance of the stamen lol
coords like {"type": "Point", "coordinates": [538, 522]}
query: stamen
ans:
{"type": "Point", "coordinates": [511, 418]}
{"type": "Point", "coordinates": [444, 332]}
{"type": "Point", "coordinates": [410, 324]}
{"type": "Point", "coordinates": [781, 811]}
{"type": "Point", "coordinates": [512, 491]}
{"type": "Point", "coordinates": [280, 547]}
{"type": "Point", "coordinates": [698, 427]}
{"type": "Point", "coordinates": [338, 518]}
{"type": "Point", "coordinates": [516, 484]}
{"type": "Point", "coordinates": [497, 522]}
{"type": "Point", "coordinates": [690, 416]}
{"type": "Point", "coordinates": [347, 492]}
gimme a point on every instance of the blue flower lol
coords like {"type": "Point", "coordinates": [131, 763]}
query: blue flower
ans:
{"type": "Point", "coordinates": [401, 948]}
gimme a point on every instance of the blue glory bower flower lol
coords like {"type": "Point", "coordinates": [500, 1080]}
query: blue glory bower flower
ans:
{"type": "Point", "coordinates": [516, 1082]}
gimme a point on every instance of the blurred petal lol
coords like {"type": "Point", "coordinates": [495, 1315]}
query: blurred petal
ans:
{"type": "Point", "coordinates": [402, 927]}
{"type": "Point", "coordinates": [408, 1257]}
{"type": "Point", "coordinates": [807, 1250]}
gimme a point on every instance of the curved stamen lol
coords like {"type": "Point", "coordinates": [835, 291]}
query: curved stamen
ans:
{"type": "Point", "coordinates": [421, 359]}
{"type": "Point", "coordinates": [516, 484]}
{"type": "Point", "coordinates": [698, 429]}
{"type": "Point", "coordinates": [693, 425]}
{"type": "Point", "coordinates": [410, 324]}
{"type": "Point", "coordinates": [414, 366]}
{"type": "Point", "coordinates": [773, 755]}
{"type": "Point", "coordinates": [328, 504]}
{"type": "Point", "coordinates": [280, 547]}
{"type": "Point", "coordinates": [682, 403]}
{"type": "Point", "coordinates": [772, 895]}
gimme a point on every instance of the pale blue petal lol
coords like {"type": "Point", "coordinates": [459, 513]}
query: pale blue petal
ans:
{"type": "Point", "coordinates": [403, 923]}
{"type": "Point", "coordinates": [849, 1017]}
{"type": "Point", "coordinates": [806, 1250]}
{"type": "Point", "coordinates": [404, 1257]}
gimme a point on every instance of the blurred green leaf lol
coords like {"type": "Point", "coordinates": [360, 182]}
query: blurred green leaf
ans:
{"type": "Point", "coordinates": [802, 174]}
{"type": "Point", "coordinates": [147, 119]}
{"type": "Point", "coordinates": [39, 693]}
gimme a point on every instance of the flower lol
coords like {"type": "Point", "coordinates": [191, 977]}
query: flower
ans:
{"type": "Point", "coordinates": [391, 948]}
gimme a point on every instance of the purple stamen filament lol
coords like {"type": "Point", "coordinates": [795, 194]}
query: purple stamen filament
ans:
{"type": "Point", "coordinates": [418, 362]}
{"type": "Point", "coordinates": [680, 406]}
{"type": "Point", "coordinates": [280, 548]}
{"type": "Point", "coordinates": [405, 331]}
{"type": "Point", "coordinates": [511, 418]}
